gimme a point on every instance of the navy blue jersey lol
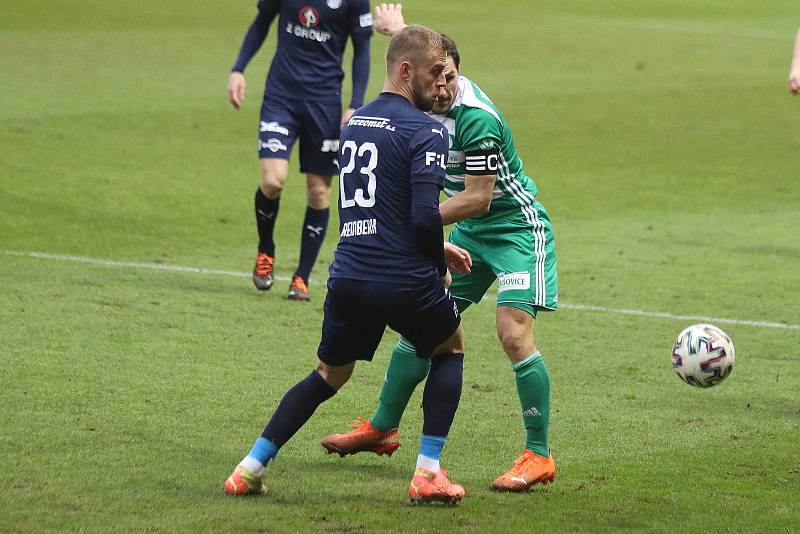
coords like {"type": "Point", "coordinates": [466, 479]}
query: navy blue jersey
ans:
{"type": "Point", "coordinates": [385, 147]}
{"type": "Point", "coordinates": [311, 39]}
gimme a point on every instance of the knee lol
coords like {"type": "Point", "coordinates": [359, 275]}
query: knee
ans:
{"type": "Point", "coordinates": [336, 377]}
{"type": "Point", "coordinates": [516, 346]}
{"type": "Point", "coordinates": [453, 345]}
{"type": "Point", "coordinates": [272, 183]}
{"type": "Point", "coordinates": [319, 194]}
{"type": "Point", "coordinates": [515, 331]}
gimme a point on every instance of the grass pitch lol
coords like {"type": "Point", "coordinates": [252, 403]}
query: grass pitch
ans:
{"type": "Point", "coordinates": [666, 149]}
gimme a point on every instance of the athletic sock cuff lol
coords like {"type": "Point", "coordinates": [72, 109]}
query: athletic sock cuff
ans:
{"type": "Point", "coordinates": [317, 211]}
{"type": "Point", "coordinates": [263, 450]}
{"type": "Point", "coordinates": [452, 358]}
{"type": "Point", "coordinates": [326, 391]}
{"type": "Point", "coordinates": [431, 446]}
{"type": "Point", "coordinates": [405, 346]}
{"type": "Point", "coordinates": [533, 359]}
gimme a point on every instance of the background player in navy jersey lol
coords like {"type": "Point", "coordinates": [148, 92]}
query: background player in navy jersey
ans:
{"type": "Point", "coordinates": [302, 98]}
{"type": "Point", "coordinates": [389, 266]}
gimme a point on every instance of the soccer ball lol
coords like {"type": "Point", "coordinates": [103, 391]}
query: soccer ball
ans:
{"type": "Point", "coordinates": [703, 355]}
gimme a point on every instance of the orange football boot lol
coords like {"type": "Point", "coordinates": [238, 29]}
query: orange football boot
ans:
{"type": "Point", "coordinates": [298, 290]}
{"type": "Point", "coordinates": [528, 469]}
{"type": "Point", "coordinates": [427, 486]}
{"type": "Point", "coordinates": [262, 273]}
{"type": "Point", "coordinates": [243, 482]}
{"type": "Point", "coordinates": [365, 438]}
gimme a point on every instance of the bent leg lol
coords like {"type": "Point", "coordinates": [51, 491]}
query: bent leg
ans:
{"type": "Point", "coordinates": [515, 329]}
{"type": "Point", "coordinates": [404, 373]}
{"type": "Point", "coordinates": [294, 410]}
{"type": "Point", "coordinates": [440, 399]}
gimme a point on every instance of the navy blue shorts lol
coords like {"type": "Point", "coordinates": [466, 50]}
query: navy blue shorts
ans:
{"type": "Point", "coordinates": [358, 312]}
{"type": "Point", "coordinates": [317, 125]}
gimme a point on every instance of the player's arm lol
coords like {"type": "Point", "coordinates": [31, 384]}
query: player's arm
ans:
{"type": "Point", "coordinates": [253, 39]}
{"type": "Point", "coordinates": [389, 19]}
{"type": "Point", "coordinates": [794, 72]}
{"type": "Point", "coordinates": [361, 61]}
{"type": "Point", "coordinates": [476, 197]}
{"type": "Point", "coordinates": [480, 134]}
{"type": "Point", "coordinates": [428, 155]}
{"type": "Point", "coordinates": [360, 35]}
{"type": "Point", "coordinates": [426, 221]}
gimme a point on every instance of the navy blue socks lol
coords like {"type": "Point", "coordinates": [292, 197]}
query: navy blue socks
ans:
{"type": "Point", "coordinates": [442, 393]}
{"type": "Point", "coordinates": [296, 408]}
{"type": "Point", "coordinates": [266, 214]}
{"type": "Point", "coordinates": [314, 227]}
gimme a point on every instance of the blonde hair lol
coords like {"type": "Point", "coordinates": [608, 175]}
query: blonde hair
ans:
{"type": "Point", "coordinates": [412, 43]}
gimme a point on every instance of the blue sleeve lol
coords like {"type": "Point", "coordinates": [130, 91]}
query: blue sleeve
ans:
{"type": "Point", "coordinates": [256, 33]}
{"type": "Point", "coordinates": [361, 60]}
{"type": "Point", "coordinates": [426, 222]}
{"type": "Point", "coordinates": [429, 146]}
{"type": "Point", "coordinates": [360, 34]}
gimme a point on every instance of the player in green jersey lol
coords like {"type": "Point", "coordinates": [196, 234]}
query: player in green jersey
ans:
{"type": "Point", "coordinates": [509, 236]}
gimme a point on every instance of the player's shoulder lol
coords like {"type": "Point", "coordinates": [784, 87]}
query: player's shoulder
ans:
{"type": "Point", "coordinates": [354, 7]}
{"type": "Point", "coordinates": [426, 119]}
{"type": "Point", "coordinates": [425, 126]}
{"type": "Point", "coordinates": [394, 113]}
{"type": "Point", "coordinates": [335, 6]}
{"type": "Point", "coordinates": [473, 104]}
{"type": "Point", "coordinates": [406, 113]}
{"type": "Point", "coordinates": [361, 6]}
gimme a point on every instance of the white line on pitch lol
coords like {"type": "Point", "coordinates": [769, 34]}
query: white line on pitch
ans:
{"type": "Point", "coordinates": [135, 264]}
{"type": "Point", "coordinates": [238, 274]}
{"type": "Point", "coordinates": [665, 315]}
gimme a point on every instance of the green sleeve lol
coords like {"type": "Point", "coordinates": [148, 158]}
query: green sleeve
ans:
{"type": "Point", "coordinates": [478, 130]}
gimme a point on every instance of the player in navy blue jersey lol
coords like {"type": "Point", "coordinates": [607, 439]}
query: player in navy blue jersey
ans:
{"type": "Point", "coordinates": [389, 268]}
{"type": "Point", "coordinates": [302, 99]}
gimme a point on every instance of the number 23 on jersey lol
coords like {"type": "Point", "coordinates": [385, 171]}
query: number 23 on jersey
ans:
{"type": "Point", "coordinates": [368, 152]}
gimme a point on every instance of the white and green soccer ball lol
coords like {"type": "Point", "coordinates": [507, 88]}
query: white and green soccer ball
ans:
{"type": "Point", "coordinates": [703, 355]}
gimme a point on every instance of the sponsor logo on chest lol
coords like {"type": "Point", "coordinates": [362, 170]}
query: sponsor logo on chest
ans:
{"type": "Point", "coordinates": [308, 16]}
{"type": "Point", "coordinates": [371, 122]}
{"type": "Point", "coordinates": [308, 19]}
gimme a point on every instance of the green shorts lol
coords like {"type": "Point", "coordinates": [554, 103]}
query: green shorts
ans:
{"type": "Point", "coordinates": [514, 247]}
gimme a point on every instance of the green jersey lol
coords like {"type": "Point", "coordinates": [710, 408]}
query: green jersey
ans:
{"type": "Point", "coordinates": [480, 141]}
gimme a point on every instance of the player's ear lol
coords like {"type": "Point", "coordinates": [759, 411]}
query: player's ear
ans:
{"type": "Point", "coordinates": [405, 70]}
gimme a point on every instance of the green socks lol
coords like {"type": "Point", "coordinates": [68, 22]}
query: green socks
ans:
{"type": "Point", "coordinates": [533, 388]}
{"type": "Point", "coordinates": [404, 373]}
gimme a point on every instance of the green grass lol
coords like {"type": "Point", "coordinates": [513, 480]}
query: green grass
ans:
{"type": "Point", "coordinates": [667, 151]}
